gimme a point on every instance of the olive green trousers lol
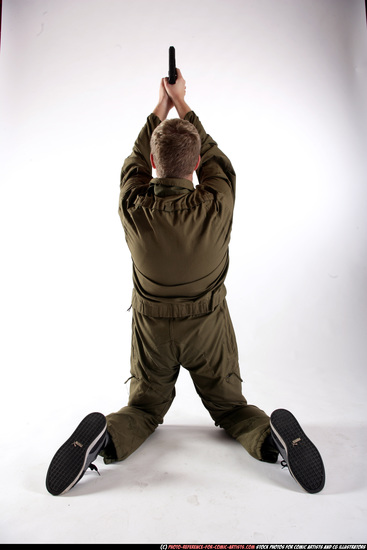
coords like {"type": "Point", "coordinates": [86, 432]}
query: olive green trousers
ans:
{"type": "Point", "coordinates": [206, 346]}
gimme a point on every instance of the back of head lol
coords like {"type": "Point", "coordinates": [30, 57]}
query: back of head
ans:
{"type": "Point", "coordinates": [175, 146]}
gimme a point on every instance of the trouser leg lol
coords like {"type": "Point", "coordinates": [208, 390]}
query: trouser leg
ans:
{"type": "Point", "coordinates": [213, 365]}
{"type": "Point", "coordinates": [154, 372]}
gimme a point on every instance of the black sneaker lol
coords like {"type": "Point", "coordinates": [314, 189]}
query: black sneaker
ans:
{"type": "Point", "coordinates": [300, 454]}
{"type": "Point", "coordinates": [76, 455]}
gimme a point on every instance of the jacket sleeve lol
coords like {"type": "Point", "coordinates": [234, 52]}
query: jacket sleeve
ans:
{"type": "Point", "coordinates": [137, 169]}
{"type": "Point", "coordinates": [215, 171]}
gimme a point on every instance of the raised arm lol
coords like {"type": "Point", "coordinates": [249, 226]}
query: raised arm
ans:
{"type": "Point", "coordinates": [176, 92]}
{"type": "Point", "coordinates": [215, 169]}
{"type": "Point", "coordinates": [164, 104]}
{"type": "Point", "coordinates": [137, 168]}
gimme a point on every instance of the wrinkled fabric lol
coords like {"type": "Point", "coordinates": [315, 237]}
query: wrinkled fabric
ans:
{"type": "Point", "coordinates": [178, 237]}
{"type": "Point", "coordinates": [205, 345]}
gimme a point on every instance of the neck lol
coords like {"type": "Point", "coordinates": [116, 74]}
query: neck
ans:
{"type": "Point", "coordinates": [189, 177]}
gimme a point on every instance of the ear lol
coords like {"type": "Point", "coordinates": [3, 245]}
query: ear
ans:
{"type": "Point", "coordinates": [152, 161]}
{"type": "Point", "coordinates": [198, 162]}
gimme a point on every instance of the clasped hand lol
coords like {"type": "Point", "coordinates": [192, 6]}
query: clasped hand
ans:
{"type": "Point", "coordinates": [172, 95]}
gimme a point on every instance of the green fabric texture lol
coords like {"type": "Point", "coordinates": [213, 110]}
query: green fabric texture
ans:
{"type": "Point", "coordinates": [178, 236]}
{"type": "Point", "coordinates": [206, 346]}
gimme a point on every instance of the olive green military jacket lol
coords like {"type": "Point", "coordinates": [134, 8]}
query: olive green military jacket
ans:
{"type": "Point", "coordinates": [178, 235]}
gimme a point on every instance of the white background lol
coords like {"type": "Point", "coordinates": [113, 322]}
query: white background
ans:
{"type": "Point", "coordinates": [282, 86]}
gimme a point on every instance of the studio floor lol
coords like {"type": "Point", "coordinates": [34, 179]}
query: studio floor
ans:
{"type": "Point", "coordinates": [189, 483]}
{"type": "Point", "coordinates": [281, 86]}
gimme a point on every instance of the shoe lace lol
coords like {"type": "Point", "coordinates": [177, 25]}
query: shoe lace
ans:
{"type": "Point", "coordinates": [284, 464]}
{"type": "Point", "coordinates": [94, 468]}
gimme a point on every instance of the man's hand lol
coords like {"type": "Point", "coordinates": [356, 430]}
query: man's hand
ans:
{"type": "Point", "coordinates": [165, 103]}
{"type": "Point", "coordinates": [176, 92]}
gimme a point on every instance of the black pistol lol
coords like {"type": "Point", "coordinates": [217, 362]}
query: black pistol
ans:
{"type": "Point", "coordinates": [172, 73]}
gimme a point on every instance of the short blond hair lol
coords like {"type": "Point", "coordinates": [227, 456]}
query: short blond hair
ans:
{"type": "Point", "coordinates": [175, 146]}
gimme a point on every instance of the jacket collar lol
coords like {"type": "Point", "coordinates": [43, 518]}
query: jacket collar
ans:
{"type": "Point", "coordinates": [171, 186]}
